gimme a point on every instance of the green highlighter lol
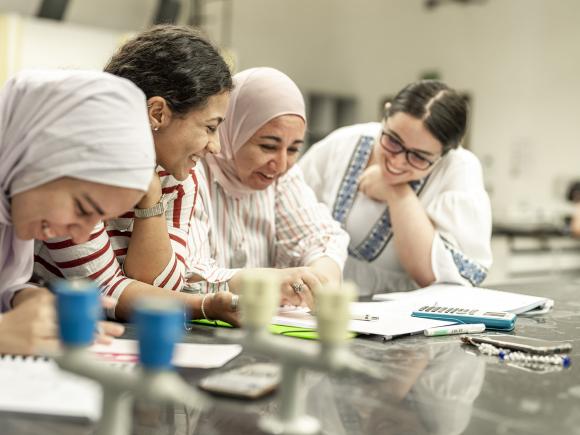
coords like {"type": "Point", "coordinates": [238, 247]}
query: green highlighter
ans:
{"type": "Point", "coordinates": [290, 331]}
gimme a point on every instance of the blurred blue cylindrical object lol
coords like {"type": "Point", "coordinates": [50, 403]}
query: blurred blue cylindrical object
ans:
{"type": "Point", "coordinates": [159, 326]}
{"type": "Point", "coordinates": [78, 309]}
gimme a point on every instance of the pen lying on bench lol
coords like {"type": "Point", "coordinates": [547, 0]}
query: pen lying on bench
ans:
{"type": "Point", "coordinates": [366, 317]}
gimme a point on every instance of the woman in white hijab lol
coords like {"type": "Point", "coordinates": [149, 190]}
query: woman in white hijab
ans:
{"type": "Point", "coordinates": [75, 148]}
{"type": "Point", "coordinates": [255, 210]}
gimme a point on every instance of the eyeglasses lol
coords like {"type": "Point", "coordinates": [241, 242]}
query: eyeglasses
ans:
{"type": "Point", "coordinates": [393, 145]}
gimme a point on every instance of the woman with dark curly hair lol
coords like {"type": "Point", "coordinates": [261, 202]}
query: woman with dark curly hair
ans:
{"type": "Point", "coordinates": [187, 86]}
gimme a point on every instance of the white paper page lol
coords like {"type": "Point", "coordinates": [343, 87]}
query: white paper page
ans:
{"type": "Point", "coordinates": [393, 320]}
{"type": "Point", "coordinates": [188, 355]}
{"type": "Point", "coordinates": [37, 386]}
{"type": "Point", "coordinates": [468, 297]}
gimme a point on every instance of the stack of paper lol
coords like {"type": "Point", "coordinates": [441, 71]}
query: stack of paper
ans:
{"type": "Point", "coordinates": [392, 320]}
{"type": "Point", "coordinates": [394, 310]}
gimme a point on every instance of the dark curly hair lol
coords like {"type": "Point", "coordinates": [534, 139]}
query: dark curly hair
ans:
{"type": "Point", "coordinates": [173, 62]}
{"type": "Point", "coordinates": [442, 110]}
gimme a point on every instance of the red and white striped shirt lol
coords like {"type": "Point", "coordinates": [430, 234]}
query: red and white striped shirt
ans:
{"type": "Point", "coordinates": [281, 226]}
{"type": "Point", "coordinates": [101, 258]}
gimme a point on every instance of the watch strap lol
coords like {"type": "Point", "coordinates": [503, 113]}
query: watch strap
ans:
{"type": "Point", "coordinates": [155, 210]}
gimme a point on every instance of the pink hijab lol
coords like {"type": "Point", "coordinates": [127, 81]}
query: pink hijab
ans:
{"type": "Point", "coordinates": [87, 125]}
{"type": "Point", "coordinates": [259, 95]}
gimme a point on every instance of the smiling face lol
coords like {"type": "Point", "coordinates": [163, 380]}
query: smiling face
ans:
{"type": "Point", "coordinates": [68, 207]}
{"type": "Point", "coordinates": [181, 141]}
{"type": "Point", "coordinates": [270, 152]}
{"type": "Point", "coordinates": [402, 130]}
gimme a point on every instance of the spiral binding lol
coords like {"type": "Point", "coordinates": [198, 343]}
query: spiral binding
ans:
{"type": "Point", "coordinates": [23, 358]}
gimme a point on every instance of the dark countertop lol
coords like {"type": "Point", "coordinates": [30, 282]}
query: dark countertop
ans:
{"type": "Point", "coordinates": [433, 386]}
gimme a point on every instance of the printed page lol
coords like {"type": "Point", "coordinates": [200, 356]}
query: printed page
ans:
{"type": "Point", "coordinates": [188, 355]}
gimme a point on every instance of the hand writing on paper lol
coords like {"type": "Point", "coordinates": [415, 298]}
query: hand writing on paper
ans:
{"type": "Point", "coordinates": [106, 331]}
{"type": "Point", "coordinates": [31, 326]}
{"type": "Point", "coordinates": [297, 286]}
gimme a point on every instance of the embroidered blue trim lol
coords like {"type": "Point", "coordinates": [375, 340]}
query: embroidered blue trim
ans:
{"type": "Point", "coordinates": [467, 268]}
{"type": "Point", "coordinates": [375, 241]}
{"type": "Point", "coordinates": [380, 234]}
{"type": "Point", "coordinates": [349, 186]}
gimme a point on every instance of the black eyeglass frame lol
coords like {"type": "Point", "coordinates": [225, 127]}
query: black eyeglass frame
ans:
{"type": "Point", "coordinates": [407, 151]}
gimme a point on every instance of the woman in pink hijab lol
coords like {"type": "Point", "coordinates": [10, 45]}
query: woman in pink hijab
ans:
{"type": "Point", "coordinates": [75, 148]}
{"type": "Point", "coordinates": [255, 210]}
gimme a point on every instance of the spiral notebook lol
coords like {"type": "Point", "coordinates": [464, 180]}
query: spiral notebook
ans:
{"type": "Point", "coordinates": [36, 385]}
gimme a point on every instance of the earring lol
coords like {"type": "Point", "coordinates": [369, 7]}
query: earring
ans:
{"type": "Point", "coordinates": [155, 128]}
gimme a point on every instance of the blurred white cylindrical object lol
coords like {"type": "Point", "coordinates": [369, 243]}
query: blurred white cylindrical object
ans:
{"type": "Point", "coordinates": [333, 311]}
{"type": "Point", "coordinates": [260, 298]}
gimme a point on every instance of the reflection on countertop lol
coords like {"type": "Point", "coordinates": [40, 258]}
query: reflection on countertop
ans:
{"type": "Point", "coordinates": [432, 385]}
{"type": "Point", "coordinates": [428, 390]}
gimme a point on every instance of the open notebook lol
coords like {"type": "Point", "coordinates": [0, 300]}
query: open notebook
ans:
{"type": "Point", "coordinates": [36, 385]}
{"type": "Point", "coordinates": [32, 385]}
{"type": "Point", "coordinates": [471, 297]}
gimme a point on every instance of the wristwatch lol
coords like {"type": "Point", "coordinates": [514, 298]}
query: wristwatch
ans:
{"type": "Point", "coordinates": [155, 210]}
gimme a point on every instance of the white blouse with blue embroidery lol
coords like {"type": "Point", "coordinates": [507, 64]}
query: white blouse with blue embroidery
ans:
{"type": "Point", "coordinates": [453, 196]}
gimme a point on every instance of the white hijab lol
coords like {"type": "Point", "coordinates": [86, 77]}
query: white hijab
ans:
{"type": "Point", "coordinates": [81, 124]}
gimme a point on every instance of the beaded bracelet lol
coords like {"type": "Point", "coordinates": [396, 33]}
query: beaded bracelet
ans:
{"type": "Point", "coordinates": [523, 357]}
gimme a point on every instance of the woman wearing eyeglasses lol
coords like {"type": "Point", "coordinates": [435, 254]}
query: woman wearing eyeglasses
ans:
{"type": "Point", "coordinates": [411, 198]}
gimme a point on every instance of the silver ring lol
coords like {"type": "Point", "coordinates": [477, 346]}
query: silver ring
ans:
{"type": "Point", "coordinates": [298, 287]}
{"type": "Point", "coordinates": [235, 302]}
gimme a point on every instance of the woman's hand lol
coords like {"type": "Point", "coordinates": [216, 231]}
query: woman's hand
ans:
{"type": "Point", "coordinates": [218, 306]}
{"type": "Point", "coordinates": [297, 286]}
{"type": "Point", "coordinates": [373, 184]}
{"type": "Point", "coordinates": [30, 328]}
{"type": "Point", "coordinates": [107, 331]}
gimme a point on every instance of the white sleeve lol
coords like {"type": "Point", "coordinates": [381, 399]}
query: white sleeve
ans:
{"type": "Point", "coordinates": [313, 163]}
{"type": "Point", "coordinates": [461, 250]}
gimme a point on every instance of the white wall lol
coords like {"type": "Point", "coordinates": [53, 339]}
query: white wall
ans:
{"type": "Point", "coordinates": [518, 58]}
{"type": "Point", "coordinates": [30, 43]}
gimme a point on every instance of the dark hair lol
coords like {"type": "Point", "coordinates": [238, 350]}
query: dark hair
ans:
{"type": "Point", "coordinates": [573, 193]}
{"type": "Point", "coordinates": [173, 62]}
{"type": "Point", "coordinates": [442, 110]}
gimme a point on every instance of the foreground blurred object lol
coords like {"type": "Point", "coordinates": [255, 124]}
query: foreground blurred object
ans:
{"type": "Point", "coordinates": [158, 328]}
{"type": "Point", "coordinates": [260, 293]}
